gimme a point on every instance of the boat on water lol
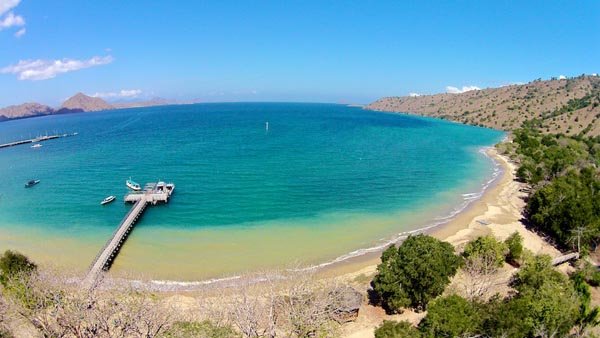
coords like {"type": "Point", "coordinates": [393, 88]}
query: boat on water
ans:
{"type": "Point", "coordinates": [37, 145]}
{"type": "Point", "coordinates": [132, 185]}
{"type": "Point", "coordinates": [107, 200]}
{"type": "Point", "coordinates": [165, 187]}
{"type": "Point", "coordinates": [31, 183]}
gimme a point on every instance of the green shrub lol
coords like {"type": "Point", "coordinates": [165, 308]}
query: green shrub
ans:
{"type": "Point", "coordinates": [451, 316]}
{"type": "Point", "coordinates": [514, 243]}
{"type": "Point", "coordinates": [567, 206]}
{"type": "Point", "coordinates": [414, 273]}
{"type": "Point", "coordinates": [392, 329]}
{"type": "Point", "coordinates": [595, 279]}
{"type": "Point", "coordinates": [13, 263]}
{"type": "Point", "coordinates": [487, 249]}
{"type": "Point", "coordinates": [535, 272]}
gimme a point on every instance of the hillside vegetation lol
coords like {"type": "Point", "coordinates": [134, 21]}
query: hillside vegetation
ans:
{"type": "Point", "coordinates": [569, 106]}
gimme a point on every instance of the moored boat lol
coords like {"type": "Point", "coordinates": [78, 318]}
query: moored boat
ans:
{"type": "Point", "coordinates": [107, 200]}
{"type": "Point", "coordinates": [170, 188]}
{"type": "Point", "coordinates": [37, 145]}
{"type": "Point", "coordinates": [133, 185]}
{"type": "Point", "coordinates": [31, 183]}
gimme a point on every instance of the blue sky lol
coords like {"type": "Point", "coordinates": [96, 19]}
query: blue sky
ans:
{"type": "Point", "coordinates": [321, 51]}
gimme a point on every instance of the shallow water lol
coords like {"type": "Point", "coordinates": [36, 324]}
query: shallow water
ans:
{"type": "Point", "coordinates": [323, 180]}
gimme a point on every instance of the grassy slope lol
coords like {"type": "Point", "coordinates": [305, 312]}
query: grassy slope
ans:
{"type": "Point", "coordinates": [566, 106]}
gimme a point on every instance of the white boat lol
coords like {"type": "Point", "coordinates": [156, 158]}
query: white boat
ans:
{"type": "Point", "coordinates": [37, 145]}
{"type": "Point", "coordinates": [107, 200]}
{"type": "Point", "coordinates": [31, 183]}
{"type": "Point", "coordinates": [165, 187]}
{"type": "Point", "coordinates": [132, 185]}
{"type": "Point", "coordinates": [170, 188]}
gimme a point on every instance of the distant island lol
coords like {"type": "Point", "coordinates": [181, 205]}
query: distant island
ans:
{"type": "Point", "coordinates": [570, 106]}
{"type": "Point", "coordinates": [76, 104]}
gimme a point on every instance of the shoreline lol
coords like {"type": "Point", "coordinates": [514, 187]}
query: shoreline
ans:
{"type": "Point", "coordinates": [352, 264]}
{"type": "Point", "coordinates": [364, 258]}
{"type": "Point", "coordinates": [498, 213]}
{"type": "Point", "coordinates": [459, 229]}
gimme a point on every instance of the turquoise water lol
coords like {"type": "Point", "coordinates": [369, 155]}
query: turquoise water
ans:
{"type": "Point", "coordinates": [317, 170]}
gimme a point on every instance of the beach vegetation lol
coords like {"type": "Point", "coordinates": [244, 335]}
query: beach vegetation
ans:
{"type": "Point", "coordinates": [12, 264]}
{"type": "Point", "coordinates": [514, 243]}
{"type": "Point", "coordinates": [563, 172]}
{"type": "Point", "coordinates": [393, 329]}
{"type": "Point", "coordinates": [488, 249]}
{"type": "Point", "coordinates": [414, 273]}
{"type": "Point", "coordinates": [451, 316]}
{"type": "Point", "coordinates": [204, 329]}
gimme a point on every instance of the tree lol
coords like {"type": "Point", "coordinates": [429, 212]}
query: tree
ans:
{"type": "Point", "coordinates": [451, 316]}
{"type": "Point", "coordinates": [514, 242]}
{"type": "Point", "coordinates": [414, 273]}
{"type": "Point", "coordinates": [568, 209]}
{"type": "Point", "coordinates": [546, 303]}
{"type": "Point", "coordinates": [536, 271]}
{"type": "Point", "coordinates": [486, 248]}
{"type": "Point", "coordinates": [392, 329]}
{"type": "Point", "coordinates": [13, 263]}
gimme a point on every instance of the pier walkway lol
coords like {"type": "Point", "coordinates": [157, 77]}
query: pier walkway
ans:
{"type": "Point", "coordinates": [35, 140]}
{"type": "Point", "coordinates": [109, 252]}
{"type": "Point", "coordinates": [152, 194]}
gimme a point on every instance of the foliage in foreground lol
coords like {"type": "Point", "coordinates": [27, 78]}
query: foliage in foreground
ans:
{"type": "Point", "coordinates": [293, 305]}
{"type": "Point", "coordinates": [204, 329]}
{"type": "Point", "coordinates": [12, 264]}
{"type": "Point", "coordinates": [545, 304]}
{"type": "Point", "coordinates": [563, 172]}
{"type": "Point", "coordinates": [415, 272]}
{"type": "Point", "coordinates": [451, 316]}
{"type": "Point", "coordinates": [514, 243]}
{"type": "Point", "coordinates": [486, 248]}
{"type": "Point", "coordinates": [392, 329]}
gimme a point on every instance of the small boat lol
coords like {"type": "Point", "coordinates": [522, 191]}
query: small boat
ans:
{"type": "Point", "coordinates": [133, 185]}
{"type": "Point", "coordinates": [170, 188]}
{"type": "Point", "coordinates": [107, 200]}
{"type": "Point", "coordinates": [31, 183]}
{"type": "Point", "coordinates": [37, 145]}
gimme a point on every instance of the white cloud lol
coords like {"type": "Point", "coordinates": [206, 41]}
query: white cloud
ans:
{"type": "Point", "coordinates": [35, 70]}
{"type": "Point", "coordinates": [7, 5]}
{"type": "Point", "coordinates": [123, 93]}
{"type": "Point", "coordinates": [562, 77]}
{"type": "Point", "coordinates": [8, 19]}
{"type": "Point", "coordinates": [414, 94]}
{"type": "Point", "coordinates": [11, 20]}
{"type": "Point", "coordinates": [20, 32]}
{"type": "Point", "coordinates": [454, 90]}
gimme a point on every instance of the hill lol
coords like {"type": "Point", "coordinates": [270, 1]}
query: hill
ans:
{"type": "Point", "coordinates": [83, 102]}
{"type": "Point", "coordinates": [75, 104]}
{"type": "Point", "coordinates": [24, 110]}
{"type": "Point", "coordinates": [138, 104]}
{"type": "Point", "coordinates": [570, 106]}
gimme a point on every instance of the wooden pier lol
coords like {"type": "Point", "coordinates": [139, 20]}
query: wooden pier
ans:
{"type": "Point", "coordinates": [35, 140]}
{"type": "Point", "coordinates": [152, 194]}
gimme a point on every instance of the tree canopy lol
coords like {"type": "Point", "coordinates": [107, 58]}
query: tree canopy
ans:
{"type": "Point", "coordinates": [415, 272]}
